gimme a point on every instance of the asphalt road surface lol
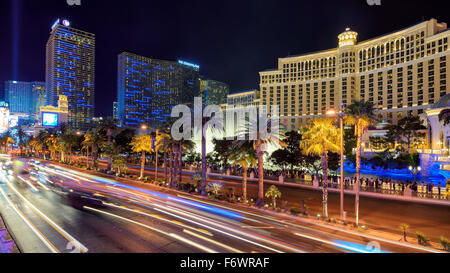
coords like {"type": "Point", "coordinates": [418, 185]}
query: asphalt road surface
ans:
{"type": "Point", "coordinates": [49, 208]}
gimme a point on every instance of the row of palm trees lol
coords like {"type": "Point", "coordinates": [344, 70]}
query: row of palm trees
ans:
{"type": "Point", "coordinates": [319, 137]}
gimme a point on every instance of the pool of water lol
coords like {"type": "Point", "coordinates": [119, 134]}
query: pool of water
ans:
{"type": "Point", "coordinates": [349, 172]}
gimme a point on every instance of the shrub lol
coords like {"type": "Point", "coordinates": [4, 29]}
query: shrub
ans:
{"type": "Point", "coordinates": [295, 211]}
{"type": "Point", "coordinates": [445, 243]}
{"type": "Point", "coordinates": [422, 239]}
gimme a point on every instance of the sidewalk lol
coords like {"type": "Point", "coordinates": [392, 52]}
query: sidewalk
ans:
{"type": "Point", "coordinates": [412, 199]}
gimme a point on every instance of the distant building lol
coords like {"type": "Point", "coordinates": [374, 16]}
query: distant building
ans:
{"type": "Point", "coordinates": [71, 72]}
{"type": "Point", "coordinates": [4, 116]}
{"type": "Point", "coordinates": [24, 97]}
{"type": "Point", "coordinates": [115, 110]}
{"type": "Point", "coordinates": [214, 92]}
{"type": "Point", "coordinates": [51, 116]}
{"type": "Point", "coordinates": [243, 98]}
{"type": "Point", "coordinates": [148, 89]}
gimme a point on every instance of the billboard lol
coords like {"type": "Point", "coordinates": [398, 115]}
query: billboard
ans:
{"type": "Point", "coordinates": [4, 119]}
{"type": "Point", "coordinates": [49, 119]}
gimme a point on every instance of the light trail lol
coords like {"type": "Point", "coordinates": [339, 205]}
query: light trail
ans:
{"type": "Point", "coordinates": [60, 230]}
{"type": "Point", "coordinates": [40, 184]}
{"type": "Point", "coordinates": [158, 217]}
{"type": "Point", "coordinates": [189, 242]}
{"type": "Point", "coordinates": [28, 183]}
{"type": "Point", "coordinates": [41, 236]}
{"type": "Point", "coordinates": [331, 243]}
{"type": "Point", "coordinates": [232, 249]}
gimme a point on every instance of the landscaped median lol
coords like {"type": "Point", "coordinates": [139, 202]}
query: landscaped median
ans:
{"type": "Point", "coordinates": [290, 215]}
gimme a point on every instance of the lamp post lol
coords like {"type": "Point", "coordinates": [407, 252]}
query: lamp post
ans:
{"type": "Point", "coordinates": [415, 171]}
{"type": "Point", "coordinates": [340, 115]}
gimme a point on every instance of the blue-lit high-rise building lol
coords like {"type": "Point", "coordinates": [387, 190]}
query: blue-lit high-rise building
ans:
{"type": "Point", "coordinates": [25, 97]}
{"type": "Point", "coordinates": [71, 72]}
{"type": "Point", "coordinates": [149, 88]}
{"type": "Point", "coordinates": [214, 92]}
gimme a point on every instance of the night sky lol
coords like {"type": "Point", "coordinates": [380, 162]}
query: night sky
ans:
{"type": "Point", "coordinates": [231, 40]}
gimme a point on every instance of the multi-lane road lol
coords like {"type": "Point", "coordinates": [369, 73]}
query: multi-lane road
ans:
{"type": "Point", "coordinates": [49, 208]}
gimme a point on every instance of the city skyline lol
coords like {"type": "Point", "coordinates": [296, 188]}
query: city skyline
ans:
{"type": "Point", "coordinates": [188, 44]}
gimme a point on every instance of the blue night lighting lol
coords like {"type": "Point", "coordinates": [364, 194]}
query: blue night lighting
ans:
{"type": "Point", "coordinates": [196, 66]}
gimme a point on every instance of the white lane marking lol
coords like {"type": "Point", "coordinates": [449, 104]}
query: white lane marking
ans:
{"type": "Point", "coordinates": [66, 235]}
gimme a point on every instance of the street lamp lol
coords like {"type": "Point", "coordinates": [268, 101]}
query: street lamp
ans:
{"type": "Point", "coordinates": [414, 171]}
{"type": "Point", "coordinates": [331, 113]}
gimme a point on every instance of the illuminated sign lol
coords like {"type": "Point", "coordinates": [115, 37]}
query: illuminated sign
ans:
{"type": "Point", "coordinates": [4, 104]}
{"type": "Point", "coordinates": [66, 23]}
{"type": "Point", "coordinates": [50, 119]}
{"type": "Point", "coordinates": [55, 23]}
{"type": "Point", "coordinates": [196, 66]}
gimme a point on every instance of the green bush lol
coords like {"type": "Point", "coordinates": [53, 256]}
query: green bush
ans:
{"type": "Point", "coordinates": [422, 239]}
{"type": "Point", "coordinates": [295, 211]}
{"type": "Point", "coordinates": [445, 243]}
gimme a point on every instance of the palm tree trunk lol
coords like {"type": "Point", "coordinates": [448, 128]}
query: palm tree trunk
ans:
{"type": "Point", "coordinates": [260, 201]}
{"type": "Point", "coordinates": [142, 165]}
{"type": "Point", "coordinates": [181, 164]}
{"type": "Point", "coordinates": [203, 189]}
{"type": "Point", "coordinates": [156, 164]}
{"type": "Point", "coordinates": [244, 186]}
{"type": "Point", "coordinates": [175, 167]}
{"type": "Point", "coordinates": [171, 168]}
{"type": "Point", "coordinates": [358, 170]}
{"type": "Point", "coordinates": [165, 167]}
{"type": "Point", "coordinates": [325, 181]}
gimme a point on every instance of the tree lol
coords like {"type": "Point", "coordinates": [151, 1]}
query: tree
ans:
{"type": "Point", "coordinates": [245, 157]}
{"type": "Point", "coordinates": [92, 141]}
{"type": "Point", "coordinates": [321, 136]}
{"type": "Point", "coordinates": [118, 162]}
{"type": "Point", "coordinates": [142, 144]}
{"type": "Point", "coordinates": [289, 156]}
{"type": "Point", "coordinates": [444, 116]}
{"type": "Point", "coordinates": [273, 193]}
{"type": "Point", "coordinates": [223, 150]}
{"type": "Point", "coordinates": [359, 114]}
{"type": "Point", "coordinates": [21, 136]}
{"type": "Point", "coordinates": [407, 131]}
{"type": "Point", "coordinates": [108, 127]}
{"type": "Point", "coordinates": [404, 228]}
{"type": "Point", "coordinates": [259, 145]}
{"type": "Point", "coordinates": [215, 187]}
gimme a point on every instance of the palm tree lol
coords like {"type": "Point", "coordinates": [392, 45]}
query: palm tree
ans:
{"type": "Point", "coordinates": [110, 126]}
{"type": "Point", "coordinates": [118, 162]}
{"type": "Point", "coordinates": [259, 145]}
{"type": "Point", "coordinates": [21, 135]}
{"type": "Point", "coordinates": [142, 144]}
{"type": "Point", "coordinates": [163, 143]}
{"type": "Point", "coordinates": [359, 114]}
{"type": "Point", "coordinates": [320, 138]}
{"type": "Point", "coordinates": [273, 193]}
{"type": "Point", "coordinates": [93, 140]}
{"type": "Point", "coordinates": [246, 157]}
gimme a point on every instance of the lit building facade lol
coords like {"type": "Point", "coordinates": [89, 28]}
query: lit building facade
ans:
{"type": "Point", "coordinates": [402, 73]}
{"type": "Point", "coordinates": [24, 97]}
{"type": "Point", "coordinates": [115, 110]}
{"type": "Point", "coordinates": [149, 88]}
{"type": "Point", "coordinates": [214, 92]}
{"type": "Point", "coordinates": [70, 71]}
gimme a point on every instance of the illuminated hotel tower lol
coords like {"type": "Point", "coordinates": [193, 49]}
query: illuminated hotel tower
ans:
{"type": "Point", "coordinates": [401, 73]}
{"type": "Point", "coordinates": [70, 71]}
